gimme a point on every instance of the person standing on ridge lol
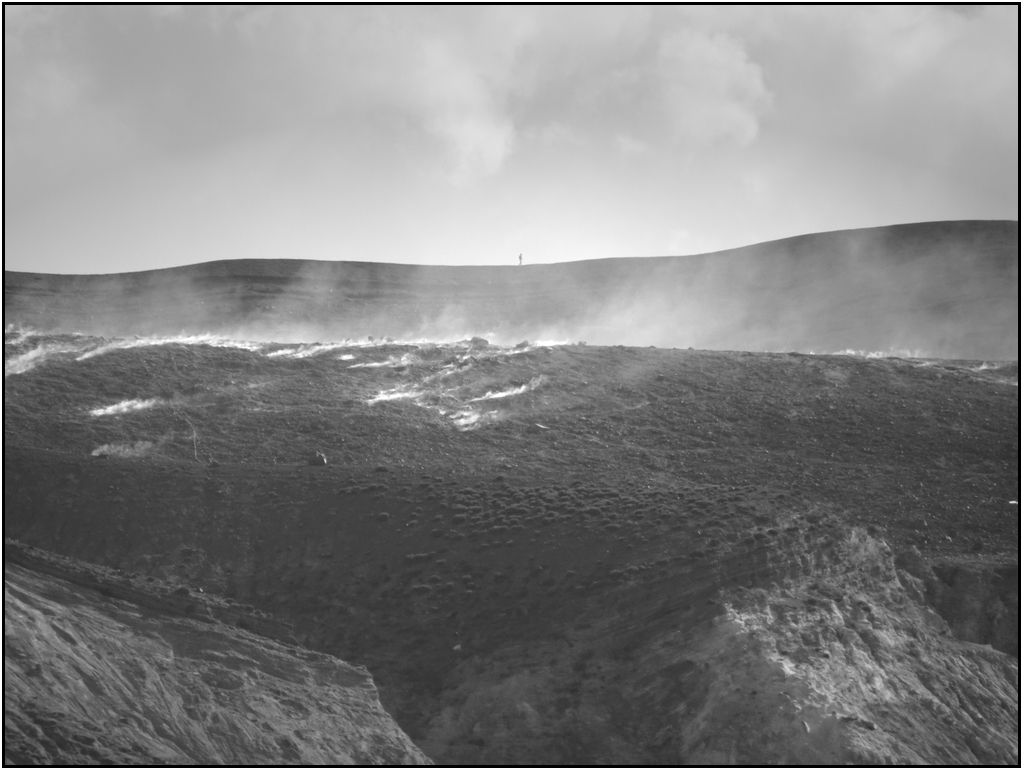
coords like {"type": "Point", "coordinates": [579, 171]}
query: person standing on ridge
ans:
{"type": "Point", "coordinates": [520, 260]}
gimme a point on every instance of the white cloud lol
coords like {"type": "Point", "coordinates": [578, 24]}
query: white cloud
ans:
{"type": "Point", "coordinates": [655, 78]}
{"type": "Point", "coordinates": [562, 131]}
{"type": "Point", "coordinates": [711, 90]}
{"type": "Point", "coordinates": [629, 145]}
{"type": "Point", "coordinates": [465, 112]}
{"type": "Point", "coordinates": [473, 79]}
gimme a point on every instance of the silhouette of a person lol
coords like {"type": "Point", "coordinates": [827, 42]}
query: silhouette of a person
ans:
{"type": "Point", "coordinates": [520, 259]}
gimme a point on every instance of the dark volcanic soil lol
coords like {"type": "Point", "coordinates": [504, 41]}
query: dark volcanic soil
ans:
{"type": "Point", "coordinates": [566, 554]}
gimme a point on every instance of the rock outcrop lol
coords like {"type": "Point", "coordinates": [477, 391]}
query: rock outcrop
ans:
{"type": "Point", "coordinates": [846, 668]}
{"type": "Point", "coordinates": [841, 665]}
{"type": "Point", "coordinates": [93, 679]}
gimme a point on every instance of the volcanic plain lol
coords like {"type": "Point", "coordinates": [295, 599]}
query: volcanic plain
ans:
{"type": "Point", "coordinates": [543, 551]}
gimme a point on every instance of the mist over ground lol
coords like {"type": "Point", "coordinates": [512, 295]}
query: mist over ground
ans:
{"type": "Point", "coordinates": [938, 289]}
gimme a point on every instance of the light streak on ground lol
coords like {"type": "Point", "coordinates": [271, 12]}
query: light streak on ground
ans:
{"type": "Point", "coordinates": [306, 350]}
{"type": "Point", "coordinates": [891, 353]}
{"type": "Point", "coordinates": [395, 394]}
{"type": "Point", "coordinates": [18, 335]}
{"type": "Point", "coordinates": [122, 407]}
{"type": "Point", "coordinates": [24, 362]}
{"type": "Point", "coordinates": [194, 339]}
{"type": "Point", "coordinates": [138, 449]}
{"type": "Point", "coordinates": [406, 359]}
{"type": "Point", "coordinates": [492, 394]}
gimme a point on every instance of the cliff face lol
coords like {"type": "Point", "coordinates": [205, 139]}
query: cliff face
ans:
{"type": "Point", "coordinates": [91, 679]}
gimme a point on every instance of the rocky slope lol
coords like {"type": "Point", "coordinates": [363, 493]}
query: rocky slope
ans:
{"type": "Point", "coordinates": [845, 665]}
{"type": "Point", "coordinates": [93, 677]}
{"type": "Point", "coordinates": [940, 289]}
{"type": "Point", "coordinates": [841, 664]}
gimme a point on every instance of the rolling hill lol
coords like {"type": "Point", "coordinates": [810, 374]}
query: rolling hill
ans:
{"type": "Point", "coordinates": [939, 289]}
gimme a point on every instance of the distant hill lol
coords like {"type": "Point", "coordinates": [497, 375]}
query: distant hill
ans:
{"type": "Point", "coordinates": [938, 289]}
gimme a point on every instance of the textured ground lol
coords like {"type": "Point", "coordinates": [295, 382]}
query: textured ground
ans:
{"type": "Point", "coordinates": [568, 554]}
{"type": "Point", "coordinates": [93, 676]}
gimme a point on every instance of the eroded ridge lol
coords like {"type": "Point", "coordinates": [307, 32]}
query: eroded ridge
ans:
{"type": "Point", "coordinates": [93, 676]}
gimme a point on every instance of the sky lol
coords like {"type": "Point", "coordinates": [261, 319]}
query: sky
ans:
{"type": "Point", "coordinates": [140, 137]}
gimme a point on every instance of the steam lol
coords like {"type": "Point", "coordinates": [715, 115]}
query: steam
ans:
{"type": "Point", "coordinates": [468, 419]}
{"type": "Point", "coordinates": [395, 394]}
{"type": "Point", "coordinates": [16, 336]}
{"type": "Point", "coordinates": [405, 359]}
{"type": "Point", "coordinates": [25, 362]}
{"type": "Point", "coordinates": [536, 382]}
{"type": "Point", "coordinates": [136, 449]}
{"type": "Point", "coordinates": [79, 347]}
{"type": "Point", "coordinates": [122, 407]}
{"type": "Point", "coordinates": [939, 290]}
{"type": "Point", "coordinates": [307, 351]}
{"type": "Point", "coordinates": [193, 339]}
{"type": "Point", "coordinates": [901, 353]}
{"type": "Point", "coordinates": [452, 403]}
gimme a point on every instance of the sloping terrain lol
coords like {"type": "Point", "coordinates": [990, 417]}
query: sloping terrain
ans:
{"type": "Point", "coordinates": [565, 554]}
{"type": "Point", "coordinates": [100, 669]}
{"type": "Point", "coordinates": [940, 289]}
{"type": "Point", "coordinates": [838, 665]}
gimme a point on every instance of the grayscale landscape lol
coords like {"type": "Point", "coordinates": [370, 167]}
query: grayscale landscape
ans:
{"type": "Point", "coordinates": [544, 552]}
{"type": "Point", "coordinates": [503, 385]}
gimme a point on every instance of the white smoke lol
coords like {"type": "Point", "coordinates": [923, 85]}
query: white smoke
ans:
{"type": "Point", "coordinates": [536, 382]}
{"type": "Point", "coordinates": [136, 449]}
{"type": "Point", "coordinates": [307, 350]}
{"type": "Point", "coordinates": [190, 339]}
{"type": "Point", "coordinates": [29, 360]}
{"type": "Point", "coordinates": [130, 405]}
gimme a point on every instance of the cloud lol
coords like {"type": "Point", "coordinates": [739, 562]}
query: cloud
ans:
{"type": "Point", "coordinates": [566, 131]}
{"type": "Point", "coordinates": [921, 87]}
{"type": "Point", "coordinates": [464, 111]}
{"type": "Point", "coordinates": [472, 80]}
{"type": "Point", "coordinates": [633, 74]}
{"type": "Point", "coordinates": [628, 145]}
{"type": "Point", "coordinates": [712, 90]}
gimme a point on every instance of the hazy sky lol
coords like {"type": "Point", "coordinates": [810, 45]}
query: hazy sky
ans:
{"type": "Point", "coordinates": [140, 137]}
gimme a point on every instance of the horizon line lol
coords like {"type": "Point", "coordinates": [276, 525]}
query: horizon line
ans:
{"type": "Point", "coordinates": [524, 265]}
